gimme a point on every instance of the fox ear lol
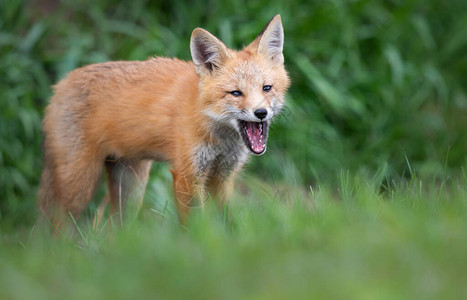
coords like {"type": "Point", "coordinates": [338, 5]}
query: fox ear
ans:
{"type": "Point", "coordinates": [207, 51]}
{"type": "Point", "coordinates": [270, 41]}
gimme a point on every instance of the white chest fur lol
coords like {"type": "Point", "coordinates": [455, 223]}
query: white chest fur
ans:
{"type": "Point", "coordinates": [227, 154]}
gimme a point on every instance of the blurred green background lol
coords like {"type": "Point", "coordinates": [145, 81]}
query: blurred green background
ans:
{"type": "Point", "coordinates": [378, 87]}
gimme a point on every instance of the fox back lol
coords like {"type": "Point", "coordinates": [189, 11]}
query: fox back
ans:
{"type": "Point", "coordinates": [203, 117]}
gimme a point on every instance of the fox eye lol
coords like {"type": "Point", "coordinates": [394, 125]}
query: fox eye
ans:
{"type": "Point", "coordinates": [236, 93]}
{"type": "Point", "coordinates": [267, 88]}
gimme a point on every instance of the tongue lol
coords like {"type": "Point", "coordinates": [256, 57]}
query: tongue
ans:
{"type": "Point", "coordinates": [254, 131]}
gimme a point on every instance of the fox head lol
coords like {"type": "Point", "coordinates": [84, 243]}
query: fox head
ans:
{"type": "Point", "coordinates": [242, 89]}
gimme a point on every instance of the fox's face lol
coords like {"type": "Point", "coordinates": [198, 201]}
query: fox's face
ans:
{"type": "Point", "coordinates": [243, 89]}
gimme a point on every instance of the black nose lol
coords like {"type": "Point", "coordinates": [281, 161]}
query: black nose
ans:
{"type": "Point", "coordinates": [261, 113]}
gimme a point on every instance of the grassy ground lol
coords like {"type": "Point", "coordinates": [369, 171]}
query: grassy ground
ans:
{"type": "Point", "coordinates": [358, 242]}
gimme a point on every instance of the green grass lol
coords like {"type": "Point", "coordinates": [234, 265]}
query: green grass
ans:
{"type": "Point", "coordinates": [406, 242]}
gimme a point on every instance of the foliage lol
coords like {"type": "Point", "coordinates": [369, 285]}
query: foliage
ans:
{"type": "Point", "coordinates": [375, 83]}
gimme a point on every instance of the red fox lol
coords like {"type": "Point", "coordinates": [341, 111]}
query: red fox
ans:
{"type": "Point", "coordinates": [203, 117]}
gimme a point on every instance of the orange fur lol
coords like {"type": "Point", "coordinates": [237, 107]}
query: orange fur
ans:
{"type": "Point", "coordinates": [124, 115]}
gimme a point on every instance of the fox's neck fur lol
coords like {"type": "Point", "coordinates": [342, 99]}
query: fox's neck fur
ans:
{"type": "Point", "coordinates": [221, 154]}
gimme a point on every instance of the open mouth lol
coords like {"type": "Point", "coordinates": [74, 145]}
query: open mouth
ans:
{"type": "Point", "coordinates": [255, 135]}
